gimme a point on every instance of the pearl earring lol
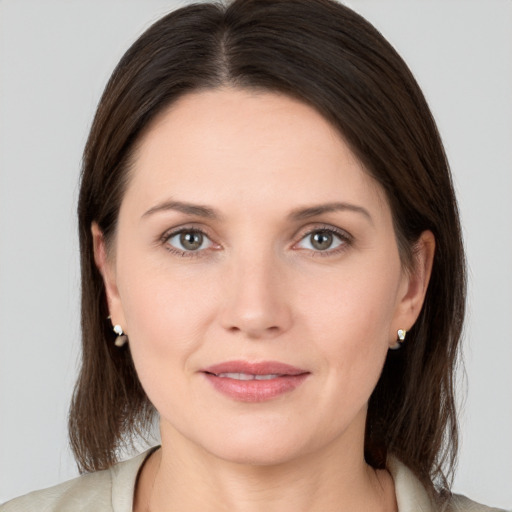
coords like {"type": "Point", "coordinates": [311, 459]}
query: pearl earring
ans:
{"type": "Point", "coordinates": [121, 336]}
{"type": "Point", "coordinates": [400, 339]}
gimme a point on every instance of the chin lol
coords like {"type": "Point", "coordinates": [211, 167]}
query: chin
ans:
{"type": "Point", "coordinates": [254, 443]}
{"type": "Point", "coordinates": [266, 443]}
{"type": "Point", "coordinates": [264, 453]}
{"type": "Point", "coordinates": [272, 436]}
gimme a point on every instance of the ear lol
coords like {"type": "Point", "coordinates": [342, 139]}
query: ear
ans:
{"type": "Point", "coordinates": [106, 267]}
{"type": "Point", "coordinates": [414, 286]}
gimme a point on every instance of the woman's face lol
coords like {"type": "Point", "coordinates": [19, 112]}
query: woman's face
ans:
{"type": "Point", "coordinates": [256, 273]}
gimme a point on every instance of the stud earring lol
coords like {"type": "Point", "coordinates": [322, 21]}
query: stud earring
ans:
{"type": "Point", "coordinates": [121, 336]}
{"type": "Point", "coordinates": [400, 339]}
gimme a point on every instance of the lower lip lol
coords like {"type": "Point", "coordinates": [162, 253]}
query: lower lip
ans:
{"type": "Point", "coordinates": [256, 390]}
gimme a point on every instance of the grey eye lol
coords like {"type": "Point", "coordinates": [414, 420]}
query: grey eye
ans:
{"type": "Point", "coordinates": [321, 240]}
{"type": "Point", "coordinates": [189, 241]}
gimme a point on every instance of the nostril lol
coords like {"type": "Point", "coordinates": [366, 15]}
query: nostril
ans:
{"type": "Point", "coordinates": [255, 316]}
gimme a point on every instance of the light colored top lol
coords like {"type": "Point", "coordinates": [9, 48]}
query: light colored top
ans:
{"type": "Point", "coordinates": [112, 490]}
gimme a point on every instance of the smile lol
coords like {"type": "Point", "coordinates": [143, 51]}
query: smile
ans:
{"type": "Point", "coordinates": [254, 382]}
{"type": "Point", "coordinates": [248, 376]}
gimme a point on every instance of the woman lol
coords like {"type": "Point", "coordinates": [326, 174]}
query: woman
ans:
{"type": "Point", "coordinates": [266, 212]}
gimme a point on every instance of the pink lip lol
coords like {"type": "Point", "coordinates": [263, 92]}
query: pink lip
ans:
{"type": "Point", "coordinates": [286, 379]}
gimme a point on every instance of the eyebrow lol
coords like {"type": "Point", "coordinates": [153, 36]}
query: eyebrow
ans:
{"type": "Point", "coordinates": [297, 214]}
{"type": "Point", "coordinates": [313, 211]}
{"type": "Point", "coordinates": [187, 208]}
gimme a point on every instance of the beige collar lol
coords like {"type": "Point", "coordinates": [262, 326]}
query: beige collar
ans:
{"type": "Point", "coordinates": [411, 495]}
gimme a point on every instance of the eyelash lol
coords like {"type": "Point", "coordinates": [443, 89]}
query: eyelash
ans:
{"type": "Point", "coordinates": [184, 254]}
{"type": "Point", "coordinates": [345, 238]}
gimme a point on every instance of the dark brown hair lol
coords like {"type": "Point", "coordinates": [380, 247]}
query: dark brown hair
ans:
{"type": "Point", "coordinates": [331, 58]}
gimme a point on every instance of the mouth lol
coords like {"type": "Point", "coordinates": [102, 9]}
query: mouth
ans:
{"type": "Point", "coordinates": [247, 376]}
{"type": "Point", "coordinates": [254, 382]}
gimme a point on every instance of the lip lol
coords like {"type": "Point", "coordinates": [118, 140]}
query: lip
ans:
{"type": "Point", "coordinates": [279, 378]}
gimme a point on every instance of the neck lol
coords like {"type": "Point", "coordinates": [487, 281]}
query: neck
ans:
{"type": "Point", "coordinates": [181, 476]}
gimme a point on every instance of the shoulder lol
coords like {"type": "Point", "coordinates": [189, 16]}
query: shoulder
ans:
{"type": "Point", "coordinates": [458, 503]}
{"type": "Point", "coordinates": [110, 490]}
{"type": "Point", "coordinates": [411, 496]}
{"type": "Point", "coordinates": [88, 492]}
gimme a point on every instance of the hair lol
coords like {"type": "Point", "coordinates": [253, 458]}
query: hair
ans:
{"type": "Point", "coordinates": [329, 57]}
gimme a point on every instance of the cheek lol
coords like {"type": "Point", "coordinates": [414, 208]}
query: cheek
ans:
{"type": "Point", "coordinates": [356, 305]}
{"type": "Point", "coordinates": [166, 313]}
{"type": "Point", "coordinates": [350, 314]}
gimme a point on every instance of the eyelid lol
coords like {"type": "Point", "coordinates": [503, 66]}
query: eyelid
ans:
{"type": "Point", "coordinates": [342, 234]}
{"type": "Point", "coordinates": [177, 230]}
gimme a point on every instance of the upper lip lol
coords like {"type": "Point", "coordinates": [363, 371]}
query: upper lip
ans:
{"type": "Point", "coordinates": [253, 368]}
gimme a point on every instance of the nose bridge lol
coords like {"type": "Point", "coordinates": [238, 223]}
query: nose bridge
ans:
{"type": "Point", "coordinates": [256, 304]}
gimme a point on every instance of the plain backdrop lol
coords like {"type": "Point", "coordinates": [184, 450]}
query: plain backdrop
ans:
{"type": "Point", "coordinates": [55, 58]}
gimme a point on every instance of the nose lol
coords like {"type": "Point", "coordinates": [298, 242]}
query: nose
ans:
{"type": "Point", "coordinates": [257, 302]}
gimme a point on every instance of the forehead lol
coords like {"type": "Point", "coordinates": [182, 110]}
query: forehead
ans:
{"type": "Point", "coordinates": [219, 144]}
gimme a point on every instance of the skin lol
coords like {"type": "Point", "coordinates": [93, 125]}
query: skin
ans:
{"type": "Point", "coordinates": [258, 289]}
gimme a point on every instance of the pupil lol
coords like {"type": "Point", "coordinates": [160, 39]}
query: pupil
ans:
{"type": "Point", "coordinates": [322, 240]}
{"type": "Point", "coordinates": [191, 240]}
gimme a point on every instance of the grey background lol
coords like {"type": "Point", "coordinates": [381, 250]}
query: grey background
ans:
{"type": "Point", "coordinates": [55, 58]}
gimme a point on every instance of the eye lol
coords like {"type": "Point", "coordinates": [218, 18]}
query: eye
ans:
{"type": "Point", "coordinates": [188, 240]}
{"type": "Point", "coordinates": [322, 240]}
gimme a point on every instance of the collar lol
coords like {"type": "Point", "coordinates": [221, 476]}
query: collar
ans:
{"type": "Point", "coordinates": [411, 495]}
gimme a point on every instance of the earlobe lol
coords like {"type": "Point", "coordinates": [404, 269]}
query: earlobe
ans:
{"type": "Point", "coordinates": [416, 284]}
